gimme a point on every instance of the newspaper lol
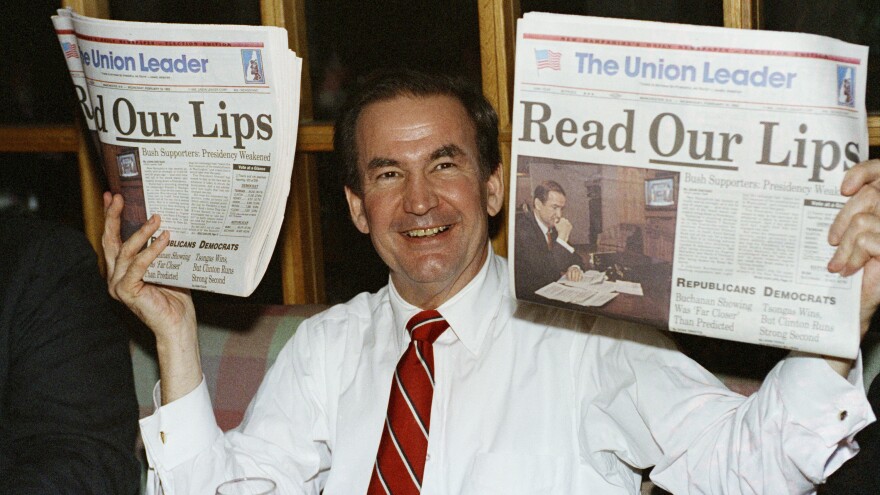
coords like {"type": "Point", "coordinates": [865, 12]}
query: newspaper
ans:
{"type": "Point", "coordinates": [196, 123]}
{"type": "Point", "coordinates": [699, 170]}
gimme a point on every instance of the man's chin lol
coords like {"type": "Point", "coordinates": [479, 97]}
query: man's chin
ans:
{"type": "Point", "coordinates": [433, 270]}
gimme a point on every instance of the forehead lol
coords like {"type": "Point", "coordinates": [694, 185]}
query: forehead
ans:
{"type": "Point", "coordinates": [556, 198]}
{"type": "Point", "coordinates": [412, 126]}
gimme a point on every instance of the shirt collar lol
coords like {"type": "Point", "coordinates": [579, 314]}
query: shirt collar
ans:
{"type": "Point", "coordinates": [541, 225]}
{"type": "Point", "coordinates": [470, 313]}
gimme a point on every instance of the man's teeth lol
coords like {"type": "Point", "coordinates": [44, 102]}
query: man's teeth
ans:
{"type": "Point", "coordinates": [426, 232]}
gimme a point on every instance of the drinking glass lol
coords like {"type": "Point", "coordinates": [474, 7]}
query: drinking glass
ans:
{"type": "Point", "coordinates": [247, 486]}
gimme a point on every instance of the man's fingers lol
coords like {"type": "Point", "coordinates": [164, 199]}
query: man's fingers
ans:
{"type": "Point", "coordinates": [867, 247]}
{"type": "Point", "coordinates": [132, 279]}
{"type": "Point", "coordinates": [862, 182]}
{"type": "Point", "coordinates": [112, 216]}
{"type": "Point", "coordinates": [110, 240]}
{"type": "Point", "coordinates": [866, 200]}
{"type": "Point", "coordinates": [859, 175]}
{"type": "Point", "coordinates": [119, 255]}
{"type": "Point", "coordinates": [859, 243]}
{"type": "Point", "coordinates": [563, 227]}
{"type": "Point", "coordinates": [137, 240]}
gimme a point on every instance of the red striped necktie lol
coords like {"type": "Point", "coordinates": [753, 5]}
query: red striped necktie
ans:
{"type": "Point", "coordinates": [400, 462]}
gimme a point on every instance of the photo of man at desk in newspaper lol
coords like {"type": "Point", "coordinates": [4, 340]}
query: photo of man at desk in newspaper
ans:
{"type": "Point", "coordinates": [605, 242]}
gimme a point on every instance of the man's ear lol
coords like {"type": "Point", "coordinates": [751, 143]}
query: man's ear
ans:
{"type": "Point", "coordinates": [356, 209]}
{"type": "Point", "coordinates": [495, 191]}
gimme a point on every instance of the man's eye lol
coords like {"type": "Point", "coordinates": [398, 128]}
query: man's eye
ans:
{"type": "Point", "coordinates": [387, 175]}
{"type": "Point", "coordinates": [445, 165]}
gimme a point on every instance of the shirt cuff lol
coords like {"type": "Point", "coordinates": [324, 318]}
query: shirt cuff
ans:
{"type": "Point", "coordinates": [177, 432]}
{"type": "Point", "coordinates": [565, 245]}
{"type": "Point", "coordinates": [820, 400]}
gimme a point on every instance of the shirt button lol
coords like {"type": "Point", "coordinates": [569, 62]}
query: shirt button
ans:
{"type": "Point", "coordinates": [843, 415]}
{"type": "Point", "coordinates": [428, 457]}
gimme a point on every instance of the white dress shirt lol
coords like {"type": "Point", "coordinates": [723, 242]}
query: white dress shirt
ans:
{"type": "Point", "coordinates": [528, 400]}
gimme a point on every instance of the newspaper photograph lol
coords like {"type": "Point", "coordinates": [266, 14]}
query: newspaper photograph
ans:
{"type": "Point", "coordinates": [686, 177]}
{"type": "Point", "coordinates": [195, 123]}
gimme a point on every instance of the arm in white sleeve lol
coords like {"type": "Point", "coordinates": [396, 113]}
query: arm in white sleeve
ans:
{"type": "Point", "coordinates": [282, 437]}
{"type": "Point", "coordinates": [564, 244]}
{"type": "Point", "coordinates": [792, 433]}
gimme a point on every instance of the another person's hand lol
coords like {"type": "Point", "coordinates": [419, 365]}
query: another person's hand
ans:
{"type": "Point", "coordinates": [563, 227]}
{"type": "Point", "coordinates": [166, 310]}
{"type": "Point", "coordinates": [574, 273]}
{"type": "Point", "coordinates": [856, 233]}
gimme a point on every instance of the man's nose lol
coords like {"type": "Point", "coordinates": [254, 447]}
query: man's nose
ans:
{"type": "Point", "coordinates": [419, 195]}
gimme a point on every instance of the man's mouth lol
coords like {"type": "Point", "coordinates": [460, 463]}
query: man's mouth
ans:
{"type": "Point", "coordinates": [426, 232]}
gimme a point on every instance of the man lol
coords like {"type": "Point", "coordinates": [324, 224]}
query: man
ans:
{"type": "Point", "coordinates": [525, 399]}
{"type": "Point", "coordinates": [68, 413]}
{"type": "Point", "coordinates": [542, 252]}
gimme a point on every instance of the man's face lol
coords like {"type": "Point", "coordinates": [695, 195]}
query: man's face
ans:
{"type": "Point", "coordinates": [424, 204]}
{"type": "Point", "coordinates": [551, 211]}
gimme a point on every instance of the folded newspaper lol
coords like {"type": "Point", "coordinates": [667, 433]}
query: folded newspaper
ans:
{"type": "Point", "coordinates": [196, 123]}
{"type": "Point", "coordinates": [686, 177]}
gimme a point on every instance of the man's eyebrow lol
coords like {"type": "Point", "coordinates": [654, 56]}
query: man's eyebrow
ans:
{"type": "Point", "coordinates": [447, 151]}
{"type": "Point", "coordinates": [380, 162]}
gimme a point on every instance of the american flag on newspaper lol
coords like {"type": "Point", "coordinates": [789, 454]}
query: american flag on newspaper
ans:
{"type": "Point", "coordinates": [547, 59]}
{"type": "Point", "coordinates": [70, 50]}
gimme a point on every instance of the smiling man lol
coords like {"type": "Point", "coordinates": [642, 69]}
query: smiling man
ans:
{"type": "Point", "coordinates": [423, 194]}
{"type": "Point", "coordinates": [440, 383]}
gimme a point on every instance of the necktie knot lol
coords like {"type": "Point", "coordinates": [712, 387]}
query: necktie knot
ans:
{"type": "Point", "coordinates": [426, 326]}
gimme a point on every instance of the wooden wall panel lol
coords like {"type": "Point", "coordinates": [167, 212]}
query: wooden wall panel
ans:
{"type": "Point", "coordinates": [743, 14]}
{"type": "Point", "coordinates": [89, 182]}
{"type": "Point", "coordinates": [302, 264]}
{"type": "Point", "coordinates": [497, 19]}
